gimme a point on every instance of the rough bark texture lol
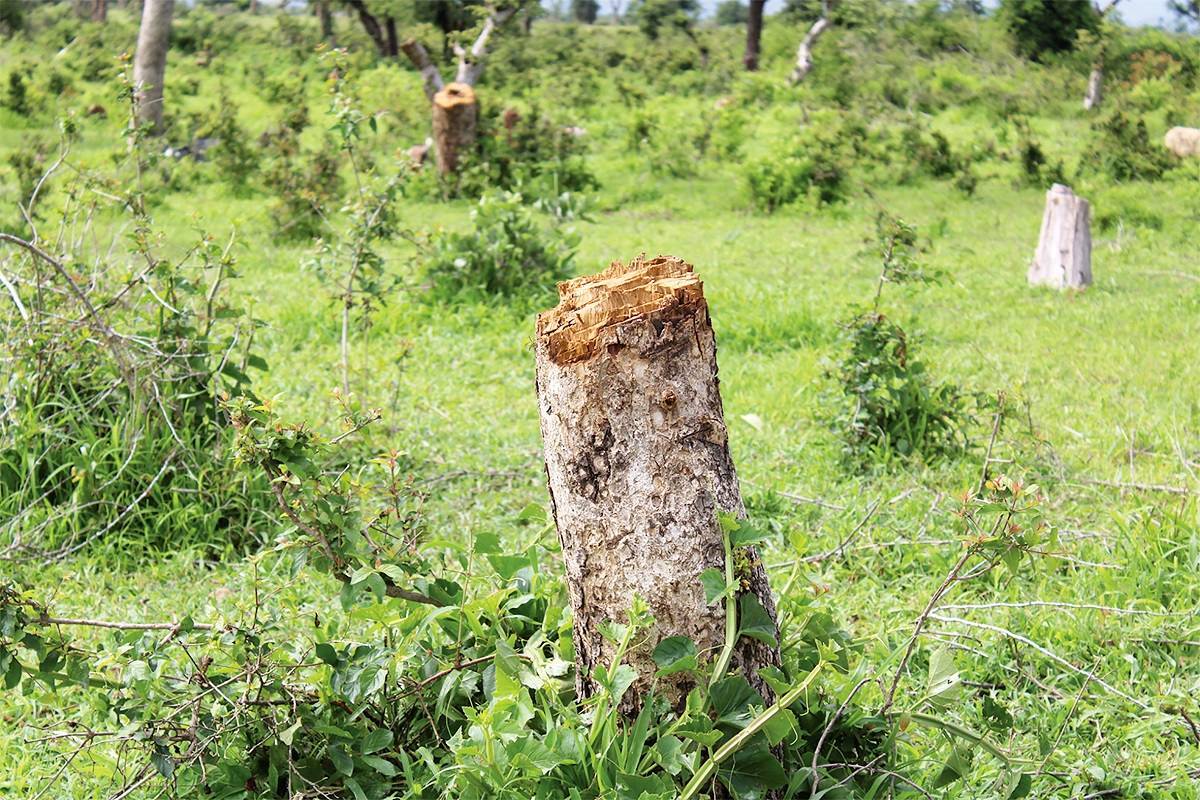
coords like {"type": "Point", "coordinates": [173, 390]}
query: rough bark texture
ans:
{"type": "Point", "coordinates": [150, 61]}
{"type": "Point", "coordinates": [637, 461]}
{"type": "Point", "coordinates": [754, 25]}
{"type": "Point", "coordinates": [1095, 87]}
{"type": "Point", "coordinates": [804, 52]}
{"type": "Point", "coordinates": [455, 115]}
{"type": "Point", "coordinates": [1064, 253]}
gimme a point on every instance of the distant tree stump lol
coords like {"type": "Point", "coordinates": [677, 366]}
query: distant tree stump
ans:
{"type": "Point", "coordinates": [638, 464]}
{"type": "Point", "coordinates": [1064, 252]}
{"type": "Point", "coordinates": [455, 118]}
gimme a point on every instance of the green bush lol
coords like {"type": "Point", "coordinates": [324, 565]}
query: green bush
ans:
{"type": "Point", "coordinates": [814, 165]}
{"type": "Point", "coordinates": [507, 252]}
{"type": "Point", "coordinates": [1040, 28]}
{"type": "Point", "coordinates": [1120, 148]}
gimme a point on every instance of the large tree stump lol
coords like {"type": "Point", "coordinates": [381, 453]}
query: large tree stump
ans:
{"type": "Point", "coordinates": [455, 115]}
{"type": "Point", "coordinates": [1064, 252]}
{"type": "Point", "coordinates": [637, 461]}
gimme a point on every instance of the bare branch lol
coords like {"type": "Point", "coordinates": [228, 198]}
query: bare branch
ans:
{"type": "Point", "coordinates": [419, 56]}
{"type": "Point", "coordinates": [470, 63]}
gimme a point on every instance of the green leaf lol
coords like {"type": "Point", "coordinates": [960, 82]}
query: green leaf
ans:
{"type": "Point", "coordinates": [733, 700]}
{"type": "Point", "coordinates": [355, 789]}
{"type": "Point", "coordinates": [995, 715]}
{"type": "Point", "coordinates": [375, 741]}
{"type": "Point", "coordinates": [163, 762]}
{"type": "Point", "coordinates": [13, 676]}
{"type": "Point", "coordinates": [675, 654]}
{"type": "Point", "coordinates": [668, 752]}
{"type": "Point", "coordinates": [746, 534]}
{"type": "Point", "coordinates": [1023, 787]}
{"type": "Point", "coordinates": [754, 621]}
{"type": "Point", "coordinates": [380, 765]}
{"type": "Point", "coordinates": [956, 766]}
{"type": "Point", "coordinates": [752, 772]}
{"type": "Point", "coordinates": [327, 653]}
{"type": "Point", "coordinates": [945, 682]}
{"type": "Point", "coordinates": [288, 734]}
{"type": "Point", "coordinates": [341, 760]}
{"type": "Point", "coordinates": [713, 581]}
{"type": "Point", "coordinates": [780, 726]}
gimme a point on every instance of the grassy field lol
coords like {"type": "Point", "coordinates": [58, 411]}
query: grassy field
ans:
{"type": "Point", "coordinates": [1093, 647]}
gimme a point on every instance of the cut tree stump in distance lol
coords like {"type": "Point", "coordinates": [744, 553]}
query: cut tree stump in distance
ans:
{"type": "Point", "coordinates": [1064, 253]}
{"type": "Point", "coordinates": [638, 464]}
{"type": "Point", "coordinates": [455, 118]}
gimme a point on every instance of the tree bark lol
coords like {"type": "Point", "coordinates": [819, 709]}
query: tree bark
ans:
{"type": "Point", "coordinates": [1064, 253]}
{"type": "Point", "coordinates": [804, 52]}
{"type": "Point", "coordinates": [431, 79]}
{"type": "Point", "coordinates": [383, 44]}
{"type": "Point", "coordinates": [455, 117]}
{"type": "Point", "coordinates": [150, 62]}
{"type": "Point", "coordinates": [99, 10]}
{"type": "Point", "coordinates": [754, 25]}
{"type": "Point", "coordinates": [638, 464]}
{"type": "Point", "coordinates": [1095, 87]}
{"type": "Point", "coordinates": [325, 19]}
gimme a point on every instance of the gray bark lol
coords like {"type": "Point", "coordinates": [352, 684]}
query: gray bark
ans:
{"type": "Point", "coordinates": [804, 52]}
{"type": "Point", "coordinates": [1095, 87]}
{"type": "Point", "coordinates": [1064, 252]}
{"type": "Point", "coordinates": [150, 62]}
{"type": "Point", "coordinates": [638, 463]}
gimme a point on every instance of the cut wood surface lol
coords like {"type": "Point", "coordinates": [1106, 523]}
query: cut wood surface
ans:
{"type": "Point", "coordinates": [455, 117]}
{"type": "Point", "coordinates": [638, 464]}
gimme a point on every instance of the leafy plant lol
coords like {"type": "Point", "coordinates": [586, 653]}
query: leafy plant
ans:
{"type": "Point", "coordinates": [889, 406]}
{"type": "Point", "coordinates": [506, 253]}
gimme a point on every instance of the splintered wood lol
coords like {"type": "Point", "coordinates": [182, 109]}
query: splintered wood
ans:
{"type": "Point", "coordinates": [590, 308]}
{"type": "Point", "coordinates": [638, 465]}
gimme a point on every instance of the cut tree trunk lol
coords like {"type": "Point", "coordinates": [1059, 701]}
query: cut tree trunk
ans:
{"type": "Point", "coordinates": [1064, 253]}
{"type": "Point", "coordinates": [754, 25]}
{"type": "Point", "coordinates": [150, 62]}
{"type": "Point", "coordinates": [1095, 88]}
{"type": "Point", "coordinates": [455, 117]}
{"type": "Point", "coordinates": [804, 61]}
{"type": "Point", "coordinates": [638, 464]}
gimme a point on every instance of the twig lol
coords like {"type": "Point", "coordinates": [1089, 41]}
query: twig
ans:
{"type": "Point", "coordinates": [1142, 487]}
{"type": "Point", "coordinates": [816, 780]}
{"type": "Point", "coordinates": [120, 626]}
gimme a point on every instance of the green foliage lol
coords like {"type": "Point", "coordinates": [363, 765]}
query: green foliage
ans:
{"type": "Point", "coordinates": [1120, 149]}
{"type": "Point", "coordinates": [16, 95]}
{"type": "Point", "coordinates": [1041, 28]}
{"type": "Point", "coordinates": [732, 12]}
{"type": "Point", "coordinates": [813, 166]}
{"type": "Point", "coordinates": [889, 405]}
{"type": "Point", "coordinates": [585, 11]}
{"type": "Point", "coordinates": [507, 252]}
{"type": "Point", "coordinates": [654, 17]}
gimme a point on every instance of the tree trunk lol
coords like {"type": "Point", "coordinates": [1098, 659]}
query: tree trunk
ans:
{"type": "Point", "coordinates": [804, 52]}
{"type": "Point", "coordinates": [150, 62]}
{"type": "Point", "coordinates": [99, 10]}
{"type": "Point", "coordinates": [372, 27]}
{"type": "Point", "coordinates": [1095, 87]}
{"type": "Point", "coordinates": [754, 24]}
{"type": "Point", "coordinates": [325, 18]}
{"type": "Point", "coordinates": [1064, 253]}
{"type": "Point", "coordinates": [638, 464]}
{"type": "Point", "coordinates": [455, 114]}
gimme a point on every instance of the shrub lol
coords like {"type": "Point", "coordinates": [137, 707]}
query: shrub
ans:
{"type": "Point", "coordinates": [507, 252]}
{"type": "Point", "coordinates": [1120, 148]}
{"type": "Point", "coordinates": [115, 389]}
{"type": "Point", "coordinates": [16, 95]}
{"type": "Point", "coordinates": [1040, 28]}
{"type": "Point", "coordinates": [814, 165]}
{"type": "Point", "coordinates": [887, 404]}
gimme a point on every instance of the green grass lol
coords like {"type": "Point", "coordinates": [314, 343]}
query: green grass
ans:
{"type": "Point", "coordinates": [1109, 376]}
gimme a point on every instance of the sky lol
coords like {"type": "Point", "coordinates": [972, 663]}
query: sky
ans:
{"type": "Point", "coordinates": [1134, 12]}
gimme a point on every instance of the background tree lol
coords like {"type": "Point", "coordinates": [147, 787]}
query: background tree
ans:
{"type": "Point", "coordinates": [150, 61]}
{"type": "Point", "coordinates": [585, 11]}
{"type": "Point", "coordinates": [731, 12]}
{"type": "Point", "coordinates": [754, 23]}
{"type": "Point", "coordinates": [99, 10]}
{"type": "Point", "coordinates": [655, 16]}
{"type": "Point", "coordinates": [1188, 11]}
{"type": "Point", "coordinates": [1043, 27]}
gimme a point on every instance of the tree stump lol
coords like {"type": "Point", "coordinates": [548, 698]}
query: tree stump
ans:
{"type": "Point", "coordinates": [455, 115]}
{"type": "Point", "coordinates": [1064, 252]}
{"type": "Point", "coordinates": [638, 464]}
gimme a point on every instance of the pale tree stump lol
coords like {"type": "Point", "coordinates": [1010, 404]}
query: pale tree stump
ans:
{"type": "Point", "coordinates": [455, 119]}
{"type": "Point", "coordinates": [637, 462]}
{"type": "Point", "coordinates": [1064, 252]}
